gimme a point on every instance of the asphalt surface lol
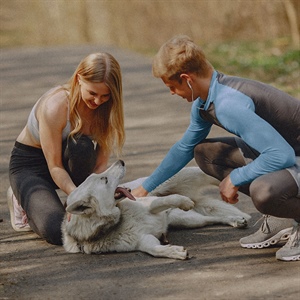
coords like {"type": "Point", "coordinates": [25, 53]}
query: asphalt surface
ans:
{"type": "Point", "coordinates": [218, 267]}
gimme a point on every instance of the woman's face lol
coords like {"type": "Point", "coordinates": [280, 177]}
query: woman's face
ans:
{"type": "Point", "coordinates": [94, 94]}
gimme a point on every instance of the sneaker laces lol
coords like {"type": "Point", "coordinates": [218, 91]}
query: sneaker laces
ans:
{"type": "Point", "coordinates": [265, 228]}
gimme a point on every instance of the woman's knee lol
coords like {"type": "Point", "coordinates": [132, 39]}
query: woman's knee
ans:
{"type": "Point", "coordinates": [79, 147]}
{"type": "Point", "coordinates": [79, 158]}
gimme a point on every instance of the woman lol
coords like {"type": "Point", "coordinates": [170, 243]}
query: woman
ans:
{"type": "Point", "coordinates": [70, 133]}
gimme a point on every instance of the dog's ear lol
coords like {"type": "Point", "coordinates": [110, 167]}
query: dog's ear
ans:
{"type": "Point", "coordinates": [80, 207]}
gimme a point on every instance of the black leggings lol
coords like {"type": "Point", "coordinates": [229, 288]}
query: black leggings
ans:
{"type": "Point", "coordinates": [35, 190]}
{"type": "Point", "coordinates": [273, 194]}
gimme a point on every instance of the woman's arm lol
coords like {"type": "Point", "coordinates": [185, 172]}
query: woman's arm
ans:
{"type": "Point", "coordinates": [52, 117]}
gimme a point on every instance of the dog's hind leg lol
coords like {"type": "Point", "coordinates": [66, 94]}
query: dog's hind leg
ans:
{"type": "Point", "coordinates": [227, 213]}
{"type": "Point", "coordinates": [191, 219]}
{"type": "Point", "coordinates": [151, 245]}
{"type": "Point", "coordinates": [172, 201]}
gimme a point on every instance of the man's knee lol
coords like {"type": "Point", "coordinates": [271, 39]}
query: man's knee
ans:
{"type": "Point", "coordinates": [202, 149]}
{"type": "Point", "coordinates": [262, 194]}
{"type": "Point", "coordinates": [201, 153]}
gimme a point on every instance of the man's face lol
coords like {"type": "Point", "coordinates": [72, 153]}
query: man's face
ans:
{"type": "Point", "coordinates": [181, 89]}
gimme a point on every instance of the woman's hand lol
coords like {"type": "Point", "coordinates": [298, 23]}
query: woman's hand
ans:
{"type": "Point", "coordinates": [139, 192]}
{"type": "Point", "coordinates": [228, 191]}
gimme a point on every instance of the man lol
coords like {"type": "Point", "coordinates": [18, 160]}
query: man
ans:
{"type": "Point", "coordinates": [263, 161]}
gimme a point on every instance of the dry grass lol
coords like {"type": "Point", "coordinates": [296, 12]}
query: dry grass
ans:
{"type": "Point", "coordinates": [233, 33]}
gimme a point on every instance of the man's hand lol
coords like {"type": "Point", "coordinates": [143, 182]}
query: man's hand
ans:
{"type": "Point", "coordinates": [139, 192]}
{"type": "Point", "coordinates": [228, 191]}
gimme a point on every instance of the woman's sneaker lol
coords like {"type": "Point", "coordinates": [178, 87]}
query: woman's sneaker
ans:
{"type": "Point", "coordinates": [291, 250]}
{"type": "Point", "coordinates": [18, 216]}
{"type": "Point", "coordinates": [272, 231]}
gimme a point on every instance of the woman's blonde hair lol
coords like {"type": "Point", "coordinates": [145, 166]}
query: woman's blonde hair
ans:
{"type": "Point", "coordinates": [177, 56]}
{"type": "Point", "coordinates": [108, 124]}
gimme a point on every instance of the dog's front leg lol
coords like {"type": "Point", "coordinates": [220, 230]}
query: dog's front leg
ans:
{"type": "Point", "coordinates": [151, 245]}
{"type": "Point", "coordinates": [171, 201]}
{"type": "Point", "coordinates": [70, 244]}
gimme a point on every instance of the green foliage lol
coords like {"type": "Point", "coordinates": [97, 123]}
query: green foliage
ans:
{"type": "Point", "coordinates": [273, 62]}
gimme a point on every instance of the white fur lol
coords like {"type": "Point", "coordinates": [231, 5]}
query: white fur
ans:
{"type": "Point", "coordinates": [94, 223]}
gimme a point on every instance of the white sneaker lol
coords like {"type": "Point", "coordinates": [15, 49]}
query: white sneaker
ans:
{"type": "Point", "coordinates": [272, 231]}
{"type": "Point", "coordinates": [18, 216]}
{"type": "Point", "coordinates": [291, 250]}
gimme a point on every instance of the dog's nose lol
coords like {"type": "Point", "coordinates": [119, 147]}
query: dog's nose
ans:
{"type": "Point", "coordinates": [122, 162]}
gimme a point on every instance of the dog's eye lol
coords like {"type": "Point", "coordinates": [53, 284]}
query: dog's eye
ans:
{"type": "Point", "coordinates": [104, 179]}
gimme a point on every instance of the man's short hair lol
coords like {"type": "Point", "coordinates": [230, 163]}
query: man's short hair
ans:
{"type": "Point", "coordinates": [177, 56]}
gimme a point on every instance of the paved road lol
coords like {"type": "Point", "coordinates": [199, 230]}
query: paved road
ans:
{"type": "Point", "coordinates": [218, 268]}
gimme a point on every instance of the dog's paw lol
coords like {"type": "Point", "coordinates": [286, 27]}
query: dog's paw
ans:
{"type": "Point", "coordinates": [186, 203]}
{"type": "Point", "coordinates": [177, 252]}
{"type": "Point", "coordinates": [72, 248]}
{"type": "Point", "coordinates": [87, 249]}
{"type": "Point", "coordinates": [238, 222]}
{"type": "Point", "coordinates": [70, 244]}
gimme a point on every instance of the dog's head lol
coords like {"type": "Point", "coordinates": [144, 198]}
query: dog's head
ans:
{"type": "Point", "coordinates": [96, 194]}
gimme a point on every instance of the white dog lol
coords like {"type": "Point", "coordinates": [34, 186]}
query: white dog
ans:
{"type": "Point", "coordinates": [96, 223]}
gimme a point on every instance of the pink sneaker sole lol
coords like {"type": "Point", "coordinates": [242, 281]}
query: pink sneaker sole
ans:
{"type": "Point", "coordinates": [19, 222]}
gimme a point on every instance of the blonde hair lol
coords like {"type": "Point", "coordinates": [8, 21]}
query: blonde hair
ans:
{"type": "Point", "coordinates": [177, 56]}
{"type": "Point", "coordinates": [108, 124]}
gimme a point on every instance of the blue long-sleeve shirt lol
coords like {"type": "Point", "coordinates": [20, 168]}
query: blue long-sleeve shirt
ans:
{"type": "Point", "coordinates": [267, 119]}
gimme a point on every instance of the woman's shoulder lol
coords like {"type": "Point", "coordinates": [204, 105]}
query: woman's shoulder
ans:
{"type": "Point", "coordinates": [54, 103]}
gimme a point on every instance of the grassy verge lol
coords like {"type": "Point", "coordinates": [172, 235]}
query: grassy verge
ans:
{"type": "Point", "coordinates": [272, 62]}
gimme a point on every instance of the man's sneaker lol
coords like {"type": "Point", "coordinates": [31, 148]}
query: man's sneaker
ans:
{"type": "Point", "coordinates": [291, 250]}
{"type": "Point", "coordinates": [18, 216]}
{"type": "Point", "coordinates": [272, 231]}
